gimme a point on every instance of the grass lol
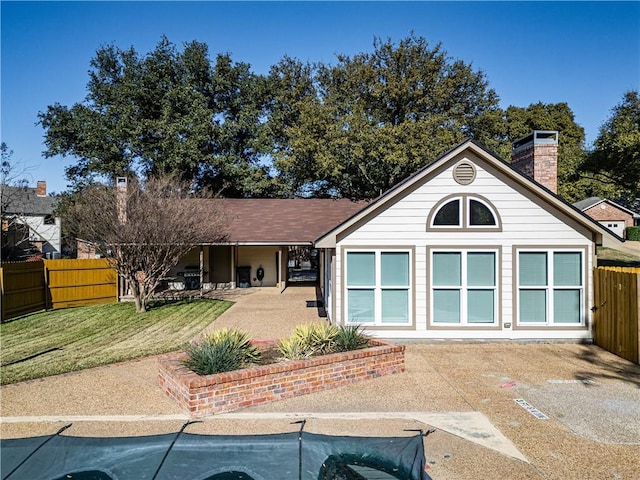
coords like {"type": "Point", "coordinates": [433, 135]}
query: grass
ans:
{"type": "Point", "coordinates": [610, 256]}
{"type": "Point", "coordinates": [61, 341]}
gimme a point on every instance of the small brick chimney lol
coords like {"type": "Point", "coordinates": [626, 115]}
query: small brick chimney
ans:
{"type": "Point", "coordinates": [536, 155]}
{"type": "Point", "coordinates": [41, 188]}
{"type": "Point", "coordinates": [121, 198]}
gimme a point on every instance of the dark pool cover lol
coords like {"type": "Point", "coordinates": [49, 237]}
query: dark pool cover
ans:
{"type": "Point", "coordinates": [184, 456]}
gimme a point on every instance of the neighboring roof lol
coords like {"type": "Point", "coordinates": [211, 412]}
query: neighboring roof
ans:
{"type": "Point", "coordinates": [591, 202]}
{"type": "Point", "coordinates": [587, 203]}
{"type": "Point", "coordinates": [328, 240]}
{"type": "Point", "coordinates": [24, 201]}
{"type": "Point", "coordinates": [273, 221]}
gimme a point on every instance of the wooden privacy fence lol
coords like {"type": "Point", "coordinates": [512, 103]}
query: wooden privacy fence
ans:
{"type": "Point", "coordinates": [617, 311]}
{"type": "Point", "coordinates": [23, 288]}
{"type": "Point", "coordinates": [73, 283]}
{"type": "Point", "coordinates": [31, 286]}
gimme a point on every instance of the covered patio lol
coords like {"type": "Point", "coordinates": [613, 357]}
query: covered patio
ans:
{"type": "Point", "coordinates": [268, 243]}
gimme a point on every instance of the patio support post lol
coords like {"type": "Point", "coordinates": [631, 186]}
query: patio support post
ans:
{"type": "Point", "coordinates": [234, 262]}
{"type": "Point", "coordinates": [201, 271]}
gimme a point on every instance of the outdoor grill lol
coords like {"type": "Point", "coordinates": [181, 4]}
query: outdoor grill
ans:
{"type": "Point", "coordinates": [191, 280]}
{"type": "Point", "coordinates": [244, 276]}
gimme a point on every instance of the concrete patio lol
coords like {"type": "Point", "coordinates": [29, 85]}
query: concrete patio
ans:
{"type": "Point", "coordinates": [587, 402]}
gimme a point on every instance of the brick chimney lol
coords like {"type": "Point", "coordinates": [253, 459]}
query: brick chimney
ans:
{"type": "Point", "coordinates": [121, 198]}
{"type": "Point", "coordinates": [41, 188]}
{"type": "Point", "coordinates": [536, 155]}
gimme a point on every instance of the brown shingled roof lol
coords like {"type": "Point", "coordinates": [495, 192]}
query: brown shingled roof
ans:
{"type": "Point", "coordinates": [283, 221]}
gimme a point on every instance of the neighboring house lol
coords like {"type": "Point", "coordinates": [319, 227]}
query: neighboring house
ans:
{"type": "Point", "coordinates": [86, 249]}
{"type": "Point", "coordinates": [609, 213]}
{"type": "Point", "coordinates": [468, 247]}
{"type": "Point", "coordinates": [29, 227]}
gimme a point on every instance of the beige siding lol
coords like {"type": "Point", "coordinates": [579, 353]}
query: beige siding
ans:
{"type": "Point", "coordinates": [256, 256]}
{"type": "Point", "coordinates": [219, 264]}
{"type": "Point", "coordinates": [191, 260]}
{"type": "Point", "coordinates": [526, 221]}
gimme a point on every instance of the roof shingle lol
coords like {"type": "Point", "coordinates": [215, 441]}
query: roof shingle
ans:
{"type": "Point", "coordinates": [282, 221]}
{"type": "Point", "coordinates": [25, 201]}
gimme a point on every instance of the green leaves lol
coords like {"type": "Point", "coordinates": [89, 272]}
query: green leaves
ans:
{"type": "Point", "coordinates": [616, 153]}
{"type": "Point", "coordinates": [311, 339]}
{"type": "Point", "coordinates": [221, 351]}
{"type": "Point", "coordinates": [352, 128]}
{"type": "Point", "coordinates": [360, 126]}
{"type": "Point", "coordinates": [166, 113]}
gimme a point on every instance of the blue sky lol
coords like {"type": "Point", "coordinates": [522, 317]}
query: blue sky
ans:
{"type": "Point", "coordinates": [586, 54]}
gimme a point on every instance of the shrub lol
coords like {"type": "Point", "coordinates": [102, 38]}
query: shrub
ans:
{"type": "Point", "coordinates": [633, 233]}
{"type": "Point", "coordinates": [350, 338]}
{"type": "Point", "coordinates": [321, 337]}
{"type": "Point", "coordinates": [294, 348]}
{"type": "Point", "coordinates": [311, 339]}
{"type": "Point", "coordinates": [221, 351]}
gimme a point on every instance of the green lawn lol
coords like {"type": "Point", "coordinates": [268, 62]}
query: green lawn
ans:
{"type": "Point", "coordinates": [71, 339]}
{"type": "Point", "coordinates": [609, 256]}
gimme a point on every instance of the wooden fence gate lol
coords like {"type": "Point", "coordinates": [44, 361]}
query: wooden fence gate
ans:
{"type": "Point", "coordinates": [617, 311]}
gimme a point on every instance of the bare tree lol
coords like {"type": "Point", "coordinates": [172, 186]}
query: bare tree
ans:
{"type": "Point", "coordinates": [145, 228]}
{"type": "Point", "coordinates": [15, 231]}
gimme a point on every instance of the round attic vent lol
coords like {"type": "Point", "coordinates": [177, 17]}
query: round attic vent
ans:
{"type": "Point", "coordinates": [464, 173]}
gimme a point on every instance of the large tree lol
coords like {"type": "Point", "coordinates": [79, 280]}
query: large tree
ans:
{"type": "Point", "coordinates": [144, 228]}
{"type": "Point", "coordinates": [168, 112]}
{"type": "Point", "coordinates": [356, 128]}
{"type": "Point", "coordinates": [616, 153]}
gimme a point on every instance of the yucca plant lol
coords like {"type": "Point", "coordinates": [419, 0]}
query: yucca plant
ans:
{"type": "Point", "coordinates": [322, 337]}
{"type": "Point", "coordinates": [311, 339]}
{"type": "Point", "coordinates": [294, 348]}
{"type": "Point", "coordinates": [221, 351]}
{"type": "Point", "coordinates": [350, 337]}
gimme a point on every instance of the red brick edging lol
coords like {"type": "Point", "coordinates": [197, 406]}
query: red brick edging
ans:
{"type": "Point", "coordinates": [224, 392]}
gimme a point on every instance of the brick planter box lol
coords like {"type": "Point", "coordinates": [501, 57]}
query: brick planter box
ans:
{"type": "Point", "coordinates": [200, 395]}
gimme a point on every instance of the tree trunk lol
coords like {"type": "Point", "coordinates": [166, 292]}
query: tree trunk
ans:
{"type": "Point", "coordinates": [141, 305]}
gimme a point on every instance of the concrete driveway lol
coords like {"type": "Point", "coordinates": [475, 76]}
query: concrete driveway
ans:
{"type": "Point", "coordinates": [501, 410]}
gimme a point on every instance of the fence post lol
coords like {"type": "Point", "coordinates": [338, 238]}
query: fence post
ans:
{"type": "Point", "coordinates": [638, 314]}
{"type": "Point", "coordinates": [47, 291]}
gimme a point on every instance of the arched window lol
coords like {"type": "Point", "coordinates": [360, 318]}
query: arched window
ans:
{"type": "Point", "coordinates": [480, 214]}
{"type": "Point", "coordinates": [448, 214]}
{"type": "Point", "coordinates": [466, 212]}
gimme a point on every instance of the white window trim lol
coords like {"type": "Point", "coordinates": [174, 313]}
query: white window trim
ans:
{"type": "Point", "coordinates": [378, 287]}
{"type": "Point", "coordinates": [549, 288]}
{"type": "Point", "coordinates": [464, 288]}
